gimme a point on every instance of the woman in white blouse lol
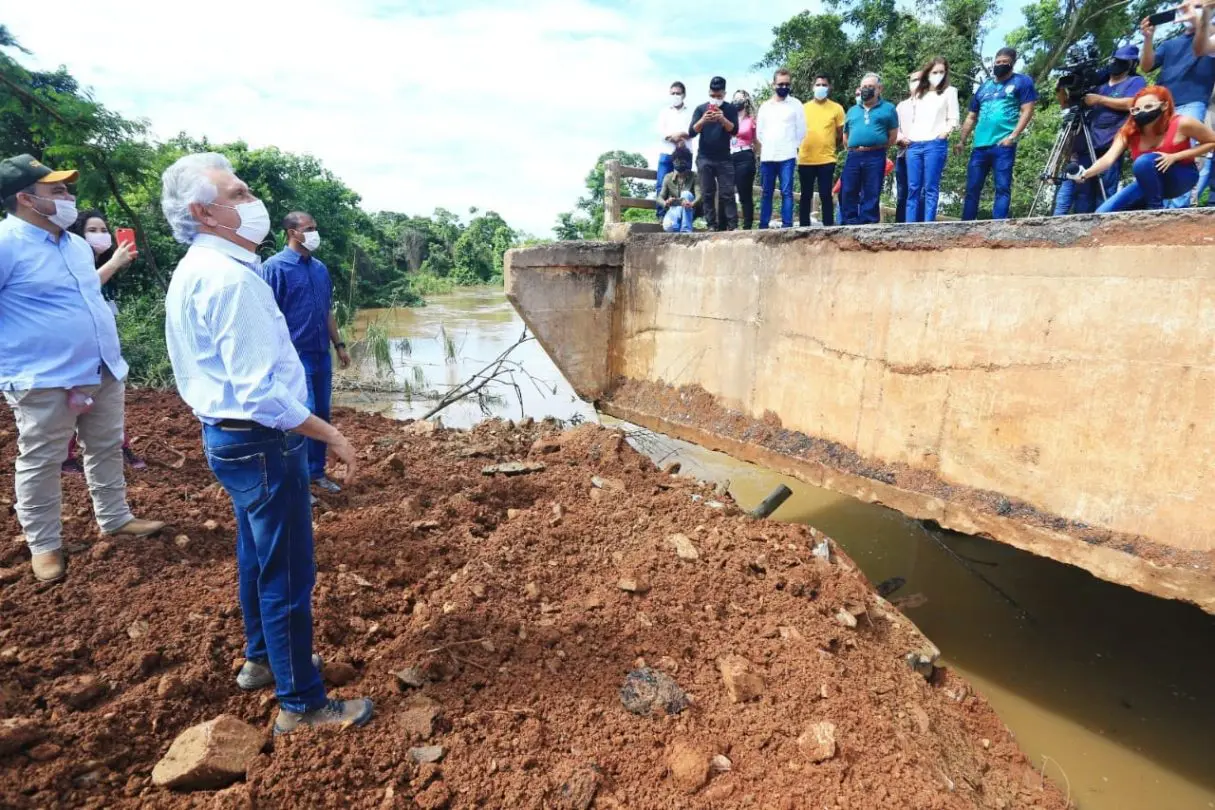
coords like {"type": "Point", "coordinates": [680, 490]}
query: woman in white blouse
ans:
{"type": "Point", "coordinates": [934, 115]}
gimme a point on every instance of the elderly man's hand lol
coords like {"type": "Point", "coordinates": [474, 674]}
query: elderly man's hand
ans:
{"type": "Point", "coordinates": [342, 450]}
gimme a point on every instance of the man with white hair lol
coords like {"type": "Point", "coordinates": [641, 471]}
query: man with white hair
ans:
{"type": "Point", "coordinates": [61, 369]}
{"type": "Point", "coordinates": [870, 129]}
{"type": "Point", "coordinates": [235, 366]}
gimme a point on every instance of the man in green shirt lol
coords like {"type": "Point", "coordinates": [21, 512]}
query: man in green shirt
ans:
{"type": "Point", "coordinates": [870, 129]}
{"type": "Point", "coordinates": [680, 193]}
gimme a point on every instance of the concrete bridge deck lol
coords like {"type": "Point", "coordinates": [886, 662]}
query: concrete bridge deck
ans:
{"type": "Point", "coordinates": [1047, 383]}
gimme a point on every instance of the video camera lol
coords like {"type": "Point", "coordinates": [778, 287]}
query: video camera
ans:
{"type": "Point", "coordinates": [1079, 78]}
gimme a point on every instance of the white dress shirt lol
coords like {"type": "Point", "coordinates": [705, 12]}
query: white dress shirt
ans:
{"type": "Point", "coordinates": [932, 116]}
{"type": "Point", "coordinates": [780, 127]}
{"type": "Point", "coordinates": [670, 121]}
{"type": "Point", "coordinates": [229, 344]}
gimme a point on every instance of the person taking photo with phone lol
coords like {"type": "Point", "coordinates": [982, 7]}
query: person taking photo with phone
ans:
{"type": "Point", "coordinates": [110, 258]}
{"type": "Point", "coordinates": [1187, 67]}
{"type": "Point", "coordinates": [1159, 141]}
{"type": "Point", "coordinates": [61, 368]}
{"type": "Point", "coordinates": [742, 149]}
{"type": "Point", "coordinates": [715, 122]}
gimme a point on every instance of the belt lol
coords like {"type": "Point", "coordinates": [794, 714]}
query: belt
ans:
{"type": "Point", "coordinates": [237, 424]}
{"type": "Point", "coordinates": [868, 148]}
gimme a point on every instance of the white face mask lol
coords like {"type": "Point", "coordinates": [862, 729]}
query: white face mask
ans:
{"type": "Point", "coordinates": [675, 99]}
{"type": "Point", "coordinates": [821, 92]}
{"type": "Point", "coordinates": [254, 220]}
{"type": "Point", "coordinates": [716, 102]}
{"type": "Point", "coordinates": [65, 211]}
{"type": "Point", "coordinates": [312, 240]}
{"type": "Point", "coordinates": [914, 85]}
{"type": "Point", "coordinates": [935, 79]}
{"type": "Point", "coordinates": [101, 242]}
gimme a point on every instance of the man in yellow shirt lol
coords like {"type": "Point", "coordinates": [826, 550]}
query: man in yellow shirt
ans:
{"type": "Point", "coordinates": [816, 158]}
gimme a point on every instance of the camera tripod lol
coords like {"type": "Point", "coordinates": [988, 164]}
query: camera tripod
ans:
{"type": "Point", "coordinates": [1074, 126]}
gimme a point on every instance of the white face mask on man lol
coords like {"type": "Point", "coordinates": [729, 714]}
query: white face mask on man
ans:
{"type": "Point", "coordinates": [254, 220]}
{"type": "Point", "coordinates": [65, 211]}
{"type": "Point", "coordinates": [312, 240]}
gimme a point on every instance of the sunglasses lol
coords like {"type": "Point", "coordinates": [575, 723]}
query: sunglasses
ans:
{"type": "Point", "coordinates": [784, 84]}
{"type": "Point", "coordinates": [1146, 108]}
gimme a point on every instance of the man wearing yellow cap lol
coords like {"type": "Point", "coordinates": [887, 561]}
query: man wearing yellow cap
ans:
{"type": "Point", "coordinates": [61, 369]}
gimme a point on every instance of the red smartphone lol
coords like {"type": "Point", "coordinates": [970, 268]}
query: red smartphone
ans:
{"type": "Point", "coordinates": [125, 236]}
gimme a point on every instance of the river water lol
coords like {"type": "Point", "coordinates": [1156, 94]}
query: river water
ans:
{"type": "Point", "coordinates": [1108, 689]}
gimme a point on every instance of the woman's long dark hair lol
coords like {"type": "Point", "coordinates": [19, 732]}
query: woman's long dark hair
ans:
{"type": "Point", "coordinates": [77, 228]}
{"type": "Point", "coordinates": [924, 85]}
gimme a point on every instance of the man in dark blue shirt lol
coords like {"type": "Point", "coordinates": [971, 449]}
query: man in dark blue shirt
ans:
{"type": "Point", "coordinates": [304, 293]}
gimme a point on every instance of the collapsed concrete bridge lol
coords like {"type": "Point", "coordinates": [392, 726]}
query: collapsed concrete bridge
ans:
{"type": "Point", "coordinates": [1049, 384]}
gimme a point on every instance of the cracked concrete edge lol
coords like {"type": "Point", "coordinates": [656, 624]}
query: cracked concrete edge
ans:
{"type": "Point", "coordinates": [590, 255]}
{"type": "Point", "coordinates": [1166, 582]}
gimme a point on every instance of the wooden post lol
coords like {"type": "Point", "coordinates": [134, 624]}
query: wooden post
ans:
{"type": "Point", "coordinates": [611, 192]}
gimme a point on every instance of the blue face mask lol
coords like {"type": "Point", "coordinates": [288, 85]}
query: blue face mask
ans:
{"type": "Point", "coordinates": [821, 92]}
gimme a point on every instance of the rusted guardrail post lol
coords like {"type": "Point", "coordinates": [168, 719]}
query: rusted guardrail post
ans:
{"type": "Point", "coordinates": [611, 192]}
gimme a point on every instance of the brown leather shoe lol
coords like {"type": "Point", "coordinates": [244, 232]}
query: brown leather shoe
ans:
{"type": "Point", "coordinates": [48, 567]}
{"type": "Point", "coordinates": [137, 527]}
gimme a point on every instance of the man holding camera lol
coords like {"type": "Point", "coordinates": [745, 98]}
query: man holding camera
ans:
{"type": "Point", "coordinates": [1187, 67]}
{"type": "Point", "coordinates": [1106, 109]}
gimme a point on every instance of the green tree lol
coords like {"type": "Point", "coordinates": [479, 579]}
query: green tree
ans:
{"type": "Point", "coordinates": [586, 220]}
{"type": "Point", "coordinates": [1059, 33]}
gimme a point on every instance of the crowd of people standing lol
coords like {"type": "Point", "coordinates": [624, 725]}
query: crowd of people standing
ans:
{"type": "Point", "coordinates": [1163, 127]}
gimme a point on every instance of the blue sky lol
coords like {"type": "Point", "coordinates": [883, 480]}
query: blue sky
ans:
{"type": "Point", "coordinates": [455, 103]}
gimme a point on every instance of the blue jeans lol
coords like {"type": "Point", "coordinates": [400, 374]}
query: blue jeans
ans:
{"type": "Point", "coordinates": [982, 161]}
{"type": "Point", "coordinates": [925, 165]}
{"type": "Point", "coordinates": [265, 475]}
{"type": "Point", "coordinates": [679, 220]}
{"type": "Point", "coordinates": [1082, 198]}
{"type": "Point", "coordinates": [318, 374]}
{"type": "Point", "coordinates": [666, 165]}
{"type": "Point", "coordinates": [861, 190]}
{"type": "Point", "coordinates": [1151, 189]}
{"type": "Point", "coordinates": [768, 171]}
{"type": "Point", "coordinates": [1197, 110]}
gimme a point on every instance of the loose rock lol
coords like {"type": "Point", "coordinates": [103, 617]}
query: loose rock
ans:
{"type": "Point", "coordinates": [818, 741]}
{"type": "Point", "coordinates": [138, 629]}
{"type": "Point", "coordinates": [633, 585]}
{"type": "Point", "coordinates": [426, 753]}
{"type": "Point", "coordinates": [410, 678]}
{"type": "Point", "coordinates": [210, 525]}
{"type": "Point", "coordinates": [845, 618]}
{"type": "Point", "coordinates": [17, 732]}
{"type": "Point", "coordinates": [741, 681]}
{"type": "Point", "coordinates": [511, 468]}
{"type": "Point", "coordinates": [435, 797]}
{"type": "Point", "coordinates": [418, 717]}
{"type": "Point", "coordinates": [101, 550]}
{"type": "Point", "coordinates": [45, 752]}
{"type": "Point", "coordinates": [721, 763]}
{"type": "Point", "coordinates": [689, 767]}
{"type": "Point", "coordinates": [80, 692]}
{"type": "Point", "coordinates": [339, 673]}
{"type": "Point", "coordinates": [647, 690]}
{"type": "Point", "coordinates": [683, 547]}
{"type": "Point", "coordinates": [578, 792]}
{"type": "Point", "coordinates": [210, 755]}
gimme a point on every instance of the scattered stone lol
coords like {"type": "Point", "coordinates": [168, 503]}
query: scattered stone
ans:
{"type": "Point", "coordinates": [511, 468]}
{"type": "Point", "coordinates": [138, 629]}
{"type": "Point", "coordinates": [395, 463]}
{"type": "Point", "coordinates": [419, 715]}
{"type": "Point", "coordinates": [170, 686]}
{"type": "Point", "coordinates": [44, 752]}
{"type": "Point", "coordinates": [423, 428]}
{"type": "Point", "coordinates": [410, 678]}
{"type": "Point", "coordinates": [101, 550]}
{"type": "Point", "coordinates": [920, 718]}
{"type": "Point", "coordinates": [558, 514]}
{"type": "Point", "coordinates": [845, 618]}
{"type": "Point", "coordinates": [236, 797]}
{"type": "Point", "coordinates": [478, 590]}
{"type": "Point", "coordinates": [210, 525]}
{"type": "Point", "coordinates": [593, 602]}
{"type": "Point", "coordinates": [478, 451]}
{"type": "Point", "coordinates": [435, 797]}
{"type": "Point", "coordinates": [790, 633]}
{"type": "Point", "coordinates": [578, 792]}
{"type": "Point", "coordinates": [672, 468]}
{"type": "Point", "coordinates": [425, 525]}
{"type": "Point", "coordinates": [986, 743]}
{"type": "Point", "coordinates": [689, 767]}
{"type": "Point", "coordinates": [741, 681]}
{"type": "Point", "coordinates": [10, 575]}
{"type": "Point", "coordinates": [823, 550]}
{"type": "Point", "coordinates": [683, 547]}
{"type": "Point", "coordinates": [646, 690]}
{"type": "Point", "coordinates": [721, 763]}
{"type": "Point", "coordinates": [426, 753]}
{"type": "Point", "coordinates": [635, 585]}
{"type": "Point", "coordinates": [339, 673]}
{"type": "Point", "coordinates": [532, 591]}
{"type": "Point", "coordinates": [182, 541]}
{"type": "Point", "coordinates": [607, 483]}
{"type": "Point", "coordinates": [511, 514]}
{"type": "Point", "coordinates": [17, 732]}
{"type": "Point", "coordinates": [80, 692]}
{"type": "Point", "coordinates": [818, 741]}
{"type": "Point", "coordinates": [542, 447]}
{"type": "Point", "coordinates": [210, 755]}
{"type": "Point", "coordinates": [922, 663]}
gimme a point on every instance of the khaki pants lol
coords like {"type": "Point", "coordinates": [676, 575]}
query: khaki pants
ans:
{"type": "Point", "coordinates": [45, 425]}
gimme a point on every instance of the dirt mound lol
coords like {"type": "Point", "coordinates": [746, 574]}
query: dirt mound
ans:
{"type": "Point", "coordinates": [495, 620]}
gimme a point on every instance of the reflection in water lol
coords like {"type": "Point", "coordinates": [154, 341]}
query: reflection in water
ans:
{"type": "Point", "coordinates": [1111, 684]}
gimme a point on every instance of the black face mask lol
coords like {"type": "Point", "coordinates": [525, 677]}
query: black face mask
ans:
{"type": "Point", "coordinates": [1119, 66]}
{"type": "Point", "coordinates": [1002, 71]}
{"type": "Point", "coordinates": [782, 91]}
{"type": "Point", "coordinates": [683, 167]}
{"type": "Point", "coordinates": [1147, 117]}
{"type": "Point", "coordinates": [867, 93]}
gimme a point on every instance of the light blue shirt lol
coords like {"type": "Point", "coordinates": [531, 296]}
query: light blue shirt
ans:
{"type": "Point", "coordinates": [231, 351]}
{"type": "Point", "coordinates": [56, 329]}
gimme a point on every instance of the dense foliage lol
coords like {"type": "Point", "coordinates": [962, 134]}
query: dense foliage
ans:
{"type": "Point", "coordinates": [381, 259]}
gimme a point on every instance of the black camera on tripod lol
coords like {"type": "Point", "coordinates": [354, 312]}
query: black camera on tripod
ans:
{"type": "Point", "coordinates": [1078, 79]}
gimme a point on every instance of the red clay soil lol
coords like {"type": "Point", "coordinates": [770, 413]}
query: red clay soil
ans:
{"type": "Point", "coordinates": [520, 631]}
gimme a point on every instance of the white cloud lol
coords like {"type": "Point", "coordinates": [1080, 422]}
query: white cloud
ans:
{"type": "Point", "coordinates": [418, 104]}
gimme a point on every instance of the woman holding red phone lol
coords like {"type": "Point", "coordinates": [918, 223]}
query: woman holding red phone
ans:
{"type": "Point", "coordinates": [109, 259]}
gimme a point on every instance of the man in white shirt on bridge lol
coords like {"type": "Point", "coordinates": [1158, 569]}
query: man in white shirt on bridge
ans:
{"type": "Point", "coordinates": [673, 129]}
{"type": "Point", "coordinates": [780, 128]}
{"type": "Point", "coordinates": [236, 367]}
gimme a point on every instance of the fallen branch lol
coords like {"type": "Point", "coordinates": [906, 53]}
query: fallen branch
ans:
{"type": "Point", "coordinates": [500, 366]}
{"type": "Point", "coordinates": [446, 647]}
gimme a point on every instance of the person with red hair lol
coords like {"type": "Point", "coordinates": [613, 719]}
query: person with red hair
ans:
{"type": "Point", "coordinates": [1159, 141]}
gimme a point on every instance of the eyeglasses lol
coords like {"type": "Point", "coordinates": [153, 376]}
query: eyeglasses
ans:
{"type": "Point", "coordinates": [1146, 108]}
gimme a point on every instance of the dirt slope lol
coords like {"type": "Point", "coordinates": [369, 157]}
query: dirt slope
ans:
{"type": "Point", "coordinates": [505, 594]}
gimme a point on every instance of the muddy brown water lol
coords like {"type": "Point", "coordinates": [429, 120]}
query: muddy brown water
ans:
{"type": "Point", "coordinates": [1109, 690]}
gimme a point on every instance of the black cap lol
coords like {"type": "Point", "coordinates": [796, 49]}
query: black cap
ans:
{"type": "Point", "coordinates": [21, 172]}
{"type": "Point", "coordinates": [717, 83]}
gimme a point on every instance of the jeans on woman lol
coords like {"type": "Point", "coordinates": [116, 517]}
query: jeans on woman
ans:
{"type": "Point", "coordinates": [1198, 111]}
{"type": "Point", "coordinates": [1151, 186]}
{"type": "Point", "coordinates": [925, 166]}
{"type": "Point", "coordinates": [744, 184]}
